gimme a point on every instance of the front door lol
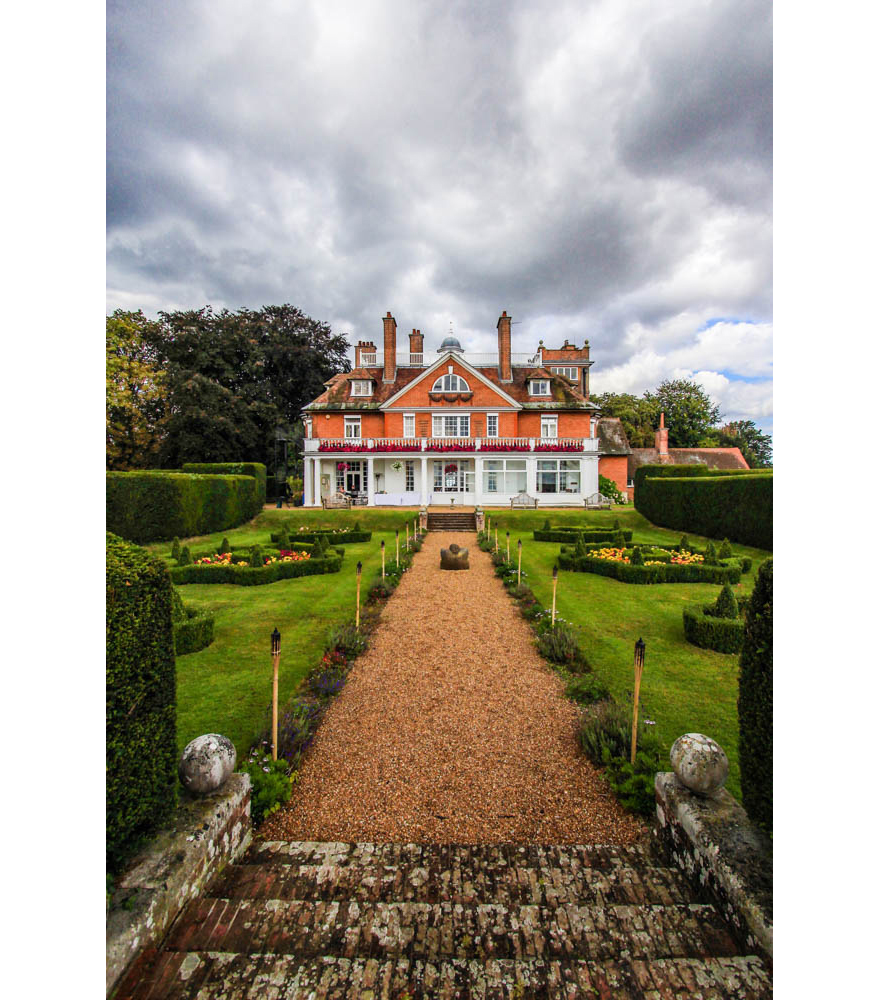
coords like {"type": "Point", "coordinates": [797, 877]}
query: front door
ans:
{"type": "Point", "coordinates": [353, 478]}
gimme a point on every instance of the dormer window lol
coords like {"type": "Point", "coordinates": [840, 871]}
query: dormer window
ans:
{"type": "Point", "coordinates": [450, 383]}
{"type": "Point", "coordinates": [362, 387]}
{"type": "Point", "coordinates": [539, 387]}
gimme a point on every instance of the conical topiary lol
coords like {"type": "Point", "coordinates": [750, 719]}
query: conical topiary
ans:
{"type": "Point", "coordinates": [637, 559]}
{"type": "Point", "coordinates": [726, 605]}
{"type": "Point", "coordinates": [619, 540]}
{"type": "Point", "coordinates": [256, 557]}
{"type": "Point", "coordinates": [175, 548]}
{"type": "Point", "coordinates": [580, 548]}
{"type": "Point", "coordinates": [755, 702]}
{"type": "Point", "coordinates": [684, 545]}
{"type": "Point", "coordinates": [283, 538]}
{"type": "Point", "coordinates": [225, 546]}
{"type": "Point", "coordinates": [185, 558]}
{"type": "Point", "coordinates": [357, 525]}
{"type": "Point", "coordinates": [546, 524]}
{"type": "Point", "coordinates": [710, 557]}
{"type": "Point", "coordinates": [724, 550]}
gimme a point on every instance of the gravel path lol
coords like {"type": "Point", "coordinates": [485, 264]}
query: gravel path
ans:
{"type": "Point", "coordinates": [451, 729]}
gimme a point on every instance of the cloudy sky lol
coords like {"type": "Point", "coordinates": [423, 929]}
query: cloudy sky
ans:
{"type": "Point", "coordinates": [599, 169]}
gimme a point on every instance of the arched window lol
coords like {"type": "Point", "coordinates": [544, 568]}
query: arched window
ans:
{"type": "Point", "coordinates": [450, 383]}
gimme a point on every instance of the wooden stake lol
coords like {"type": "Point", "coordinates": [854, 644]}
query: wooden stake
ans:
{"type": "Point", "coordinates": [407, 535]}
{"type": "Point", "coordinates": [397, 545]}
{"type": "Point", "coordinates": [383, 558]}
{"type": "Point", "coordinates": [553, 610]}
{"type": "Point", "coordinates": [508, 546]}
{"type": "Point", "coordinates": [519, 563]}
{"type": "Point", "coordinates": [639, 664]}
{"type": "Point", "coordinates": [357, 606]}
{"type": "Point", "coordinates": [496, 537]}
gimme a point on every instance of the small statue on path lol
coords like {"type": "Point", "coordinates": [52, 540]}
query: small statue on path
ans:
{"type": "Point", "coordinates": [454, 557]}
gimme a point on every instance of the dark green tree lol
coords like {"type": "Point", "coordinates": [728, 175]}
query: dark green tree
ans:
{"type": "Point", "coordinates": [755, 445]}
{"type": "Point", "coordinates": [690, 413]}
{"type": "Point", "coordinates": [233, 377]}
{"type": "Point", "coordinates": [755, 702]}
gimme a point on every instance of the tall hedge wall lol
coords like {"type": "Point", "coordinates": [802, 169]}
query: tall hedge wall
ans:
{"type": "Point", "coordinates": [736, 504]}
{"type": "Point", "coordinates": [152, 506]}
{"type": "Point", "coordinates": [141, 696]}
{"type": "Point", "coordinates": [755, 702]}
{"type": "Point", "coordinates": [255, 469]}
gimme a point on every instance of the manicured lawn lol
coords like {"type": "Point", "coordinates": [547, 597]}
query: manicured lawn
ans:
{"type": "Point", "coordinates": [226, 687]}
{"type": "Point", "coordinates": [684, 689]}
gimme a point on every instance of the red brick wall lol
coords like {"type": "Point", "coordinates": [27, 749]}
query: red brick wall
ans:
{"type": "Point", "coordinates": [614, 467]}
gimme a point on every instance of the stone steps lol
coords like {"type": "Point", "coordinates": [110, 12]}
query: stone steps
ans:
{"type": "Point", "coordinates": [459, 521]}
{"type": "Point", "coordinates": [404, 921]}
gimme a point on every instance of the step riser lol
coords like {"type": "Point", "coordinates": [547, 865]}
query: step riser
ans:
{"type": "Point", "coordinates": [257, 977]}
{"type": "Point", "coordinates": [507, 886]}
{"type": "Point", "coordinates": [442, 931]}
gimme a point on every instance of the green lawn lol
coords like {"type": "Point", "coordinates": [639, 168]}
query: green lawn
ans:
{"type": "Point", "coordinates": [684, 689]}
{"type": "Point", "coordinates": [226, 687]}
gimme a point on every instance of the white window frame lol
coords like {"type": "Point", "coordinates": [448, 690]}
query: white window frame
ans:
{"type": "Point", "coordinates": [410, 476]}
{"type": "Point", "coordinates": [569, 373]}
{"type": "Point", "coordinates": [411, 417]}
{"type": "Point", "coordinates": [489, 433]}
{"type": "Point", "coordinates": [535, 385]}
{"type": "Point", "coordinates": [548, 421]}
{"type": "Point", "coordinates": [368, 359]}
{"type": "Point", "coordinates": [506, 476]}
{"type": "Point", "coordinates": [352, 428]}
{"type": "Point", "coordinates": [450, 383]}
{"type": "Point", "coordinates": [557, 468]}
{"type": "Point", "coordinates": [439, 430]}
{"type": "Point", "coordinates": [362, 387]}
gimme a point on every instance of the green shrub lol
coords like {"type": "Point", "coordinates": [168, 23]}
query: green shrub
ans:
{"type": "Point", "coordinates": [270, 785]}
{"type": "Point", "coordinates": [737, 503]}
{"type": "Point", "coordinates": [580, 548]}
{"type": "Point", "coordinates": [225, 546]}
{"type": "Point", "coordinates": [546, 525]}
{"type": "Point", "coordinates": [685, 544]}
{"type": "Point", "coordinates": [636, 558]}
{"type": "Point", "coordinates": [178, 612]}
{"type": "Point", "coordinates": [724, 550]}
{"type": "Point", "coordinates": [560, 644]}
{"type": "Point", "coordinates": [347, 640]}
{"type": "Point", "coordinates": [175, 548]}
{"type": "Point", "coordinates": [662, 573]}
{"type": "Point", "coordinates": [606, 732]}
{"type": "Point", "coordinates": [255, 558]}
{"type": "Point", "coordinates": [252, 576]}
{"type": "Point", "coordinates": [704, 629]}
{"type": "Point", "coordinates": [333, 537]}
{"type": "Point", "coordinates": [755, 702]}
{"type": "Point", "coordinates": [194, 632]}
{"type": "Point", "coordinates": [586, 689]}
{"type": "Point", "coordinates": [570, 534]}
{"type": "Point", "coordinates": [633, 785]}
{"type": "Point", "coordinates": [382, 589]}
{"type": "Point", "coordinates": [611, 490]}
{"type": "Point", "coordinates": [141, 737]}
{"type": "Point", "coordinates": [725, 604]}
{"type": "Point", "coordinates": [185, 557]}
{"type": "Point", "coordinates": [710, 556]}
{"type": "Point", "coordinates": [619, 540]}
{"type": "Point", "coordinates": [151, 506]}
{"type": "Point", "coordinates": [283, 539]}
{"type": "Point", "coordinates": [255, 469]}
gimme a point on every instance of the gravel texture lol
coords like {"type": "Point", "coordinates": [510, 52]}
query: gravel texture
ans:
{"type": "Point", "coordinates": [451, 729]}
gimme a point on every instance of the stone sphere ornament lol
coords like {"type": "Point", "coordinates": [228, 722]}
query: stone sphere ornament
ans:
{"type": "Point", "coordinates": [699, 763]}
{"type": "Point", "coordinates": [454, 557]}
{"type": "Point", "coordinates": [206, 763]}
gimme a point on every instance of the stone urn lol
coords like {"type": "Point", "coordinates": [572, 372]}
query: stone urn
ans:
{"type": "Point", "coordinates": [454, 557]}
{"type": "Point", "coordinates": [699, 763]}
{"type": "Point", "coordinates": [206, 764]}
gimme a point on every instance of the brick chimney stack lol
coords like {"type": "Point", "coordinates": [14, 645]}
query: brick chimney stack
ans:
{"type": "Point", "coordinates": [361, 348]}
{"type": "Point", "coordinates": [661, 439]}
{"type": "Point", "coordinates": [390, 341]}
{"type": "Point", "coordinates": [504, 369]}
{"type": "Point", "coordinates": [416, 343]}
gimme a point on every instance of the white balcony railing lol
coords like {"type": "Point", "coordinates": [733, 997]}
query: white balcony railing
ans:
{"type": "Point", "coordinates": [406, 360]}
{"type": "Point", "coordinates": [487, 446]}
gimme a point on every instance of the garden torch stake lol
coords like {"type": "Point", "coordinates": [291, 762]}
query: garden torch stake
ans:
{"type": "Point", "coordinates": [397, 544]}
{"type": "Point", "coordinates": [276, 654]}
{"type": "Point", "coordinates": [508, 546]}
{"type": "Point", "coordinates": [638, 665]}
{"type": "Point", "coordinates": [357, 607]}
{"type": "Point", "coordinates": [407, 535]}
{"type": "Point", "coordinates": [519, 563]}
{"type": "Point", "coordinates": [382, 547]}
{"type": "Point", "coordinates": [553, 610]}
{"type": "Point", "coordinates": [496, 538]}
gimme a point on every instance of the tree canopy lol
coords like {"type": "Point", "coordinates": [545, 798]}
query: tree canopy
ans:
{"type": "Point", "coordinates": [229, 379]}
{"type": "Point", "coordinates": [690, 413]}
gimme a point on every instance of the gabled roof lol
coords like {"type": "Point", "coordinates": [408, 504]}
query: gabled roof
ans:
{"type": "Point", "coordinates": [714, 458]}
{"type": "Point", "coordinates": [445, 358]}
{"type": "Point", "coordinates": [612, 437]}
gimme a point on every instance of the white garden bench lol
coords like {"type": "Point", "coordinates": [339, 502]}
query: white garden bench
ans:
{"type": "Point", "coordinates": [337, 501]}
{"type": "Point", "coordinates": [597, 501]}
{"type": "Point", "coordinates": [523, 500]}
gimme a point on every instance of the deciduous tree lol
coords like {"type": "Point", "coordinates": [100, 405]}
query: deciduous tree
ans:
{"type": "Point", "coordinates": [690, 413]}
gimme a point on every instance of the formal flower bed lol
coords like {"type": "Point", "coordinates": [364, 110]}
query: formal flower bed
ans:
{"type": "Point", "coordinates": [617, 563]}
{"type": "Point", "coordinates": [227, 559]}
{"type": "Point", "coordinates": [217, 570]}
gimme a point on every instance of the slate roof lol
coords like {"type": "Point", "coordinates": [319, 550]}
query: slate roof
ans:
{"type": "Point", "coordinates": [612, 437]}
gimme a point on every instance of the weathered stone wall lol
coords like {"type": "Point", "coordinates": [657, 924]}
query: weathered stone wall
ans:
{"type": "Point", "coordinates": [177, 864]}
{"type": "Point", "coordinates": [712, 840]}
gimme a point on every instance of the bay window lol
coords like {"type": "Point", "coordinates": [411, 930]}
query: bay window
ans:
{"type": "Point", "coordinates": [559, 476]}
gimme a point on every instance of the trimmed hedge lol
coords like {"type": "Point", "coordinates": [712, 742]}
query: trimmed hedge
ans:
{"type": "Point", "coordinates": [244, 551]}
{"type": "Point", "coordinates": [152, 506]}
{"type": "Point", "coordinates": [663, 573]}
{"type": "Point", "coordinates": [254, 576]}
{"type": "Point", "coordinates": [334, 537]}
{"type": "Point", "coordinates": [703, 629]}
{"type": "Point", "coordinates": [735, 504]}
{"type": "Point", "coordinates": [141, 781]}
{"type": "Point", "coordinates": [647, 547]}
{"type": "Point", "coordinates": [571, 534]}
{"type": "Point", "coordinates": [255, 469]}
{"type": "Point", "coordinates": [194, 632]}
{"type": "Point", "coordinates": [755, 702]}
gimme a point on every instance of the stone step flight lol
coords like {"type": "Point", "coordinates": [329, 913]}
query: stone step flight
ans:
{"type": "Point", "coordinates": [299, 920]}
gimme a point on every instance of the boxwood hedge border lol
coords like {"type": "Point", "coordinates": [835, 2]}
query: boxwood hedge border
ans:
{"type": "Point", "coordinates": [334, 538]}
{"type": "Point", "coordinates": [590, 535]}
{"type": "Point", "coordinates": [703, 629]}
{"type": "Point", "coordinates": [195, 632]}
{"type": "Point", "coordinates": [727, 572]}
{"type": "Point", "coordinates": [254, 576]}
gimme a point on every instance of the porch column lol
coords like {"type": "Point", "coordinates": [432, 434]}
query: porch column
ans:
{"type": "Point", "coordinates": [423, 499]}
{"type": "Point", "coordinates": [478, 481]}
{"type": "Point", "coordinates": [307, 482]}
{"type": "Point", "coordinates": [317, 488]}
{"type": "Point", "coordinates": [532, 477]}
{"type": "Point", "coordinates": [371, 489]}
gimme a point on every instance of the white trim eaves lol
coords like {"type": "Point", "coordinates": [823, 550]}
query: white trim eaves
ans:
{"type": "Point", "coordinates": [443, 359]}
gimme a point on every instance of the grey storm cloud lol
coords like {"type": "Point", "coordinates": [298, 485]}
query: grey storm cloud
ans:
{"type": "Point", "coordinates": [600, 169]}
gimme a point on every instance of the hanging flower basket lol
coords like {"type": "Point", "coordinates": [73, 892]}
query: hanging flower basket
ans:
{"type": "Point", "coordinates": [342, 466]}
{"type": "Point", "coordinates": [452, 467]}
